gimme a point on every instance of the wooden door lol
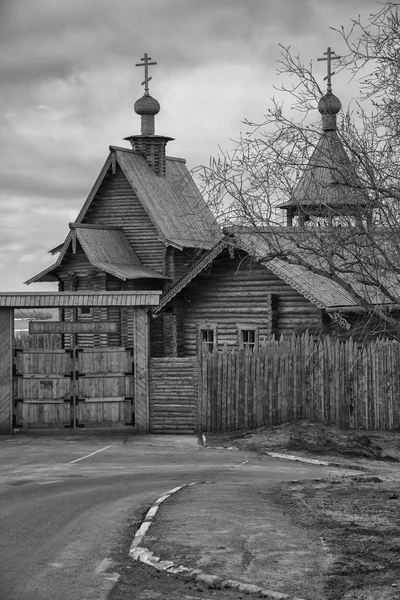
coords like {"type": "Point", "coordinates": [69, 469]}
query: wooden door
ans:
{"type": "Point", "coordinates": [104, 387]}
{"type": "Point", "coordinates": [43, 389]}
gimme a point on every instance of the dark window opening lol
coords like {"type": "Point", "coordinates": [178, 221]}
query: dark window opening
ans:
{"type": "Point", "coordinates": [208, 338]}
{"type": "Point", "coordinates": [248, 337]}
{"type": "Point", "coordinates": [86, 310]}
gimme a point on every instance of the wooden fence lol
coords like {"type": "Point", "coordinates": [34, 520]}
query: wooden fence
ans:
{"type": "Point", "coordinates": [322, 380]}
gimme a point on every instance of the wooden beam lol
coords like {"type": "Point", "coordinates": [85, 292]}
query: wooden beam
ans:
{"type": "Point", "coordinates": [6, 362]}
{"type": "Point", "coordinates": [73, 327]}
{"type": "Point", "coordinates": [76, 299]}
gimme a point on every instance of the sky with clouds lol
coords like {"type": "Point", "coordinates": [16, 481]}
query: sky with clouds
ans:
{"type": "Point", "coordinates": [69, 83]}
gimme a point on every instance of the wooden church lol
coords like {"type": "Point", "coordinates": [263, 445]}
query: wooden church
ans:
{"type": "Point", "coordinates": [142, 227]}
{"type": "Point", "coordinates": [145, 226]}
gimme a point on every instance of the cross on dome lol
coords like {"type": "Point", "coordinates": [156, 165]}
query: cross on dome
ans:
{"type": "Point", "coordinates": [330, 56]}
{"type": "Point", "coordinates": [146, 62]}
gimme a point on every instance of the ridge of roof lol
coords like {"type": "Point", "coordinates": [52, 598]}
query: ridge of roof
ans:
{"type": "Point", "coordinates": [176, 159]}
{"type": "Point", "coordinates": [123, 149]}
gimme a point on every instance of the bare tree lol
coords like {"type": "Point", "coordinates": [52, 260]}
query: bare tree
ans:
{"type": "Point", "coordinates": [326, 196]}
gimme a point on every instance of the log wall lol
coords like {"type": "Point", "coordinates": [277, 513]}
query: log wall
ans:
{"type": "Point", "coordinates": [173, 386]}
{"type": "Point", "coordinates": [116, 204]}
{"type": "Point", "coordinates": [238, 293]}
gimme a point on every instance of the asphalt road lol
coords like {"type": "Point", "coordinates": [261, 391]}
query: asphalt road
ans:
{"type": "Point", "coordinates": [65, 501]}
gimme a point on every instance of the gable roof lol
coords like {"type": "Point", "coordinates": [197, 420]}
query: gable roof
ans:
{"type": "Point", "coordinates": [173, 203]}
{"type": "Point", "coordinates": [329, 179]}
{"type": "Point", "coordinates": [107, 249]}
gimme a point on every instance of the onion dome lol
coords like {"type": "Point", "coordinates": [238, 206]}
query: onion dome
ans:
{"type": "Point", "coordinates": [146, 105]}
{"type": "Point", "coordinates": [329, 104]}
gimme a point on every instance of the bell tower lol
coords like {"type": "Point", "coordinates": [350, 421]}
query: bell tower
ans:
{"type": "Point", "coordinates": [149, 144]}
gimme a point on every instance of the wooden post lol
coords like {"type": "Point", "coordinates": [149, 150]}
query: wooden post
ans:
{"type": "Point", "coordinates": [141, 361]}
{"type": "Point", "coordinates": [6, 363]}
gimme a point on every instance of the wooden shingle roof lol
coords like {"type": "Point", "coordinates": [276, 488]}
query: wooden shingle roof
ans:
{"type": "Point", "coordinates": [329, 179]}
{"type": "Point", "coordinates": [107, 249]}
{"type": "Point", "coordinates": [321, 291]}
{"type": "Point", "coordinates": [173, 203]}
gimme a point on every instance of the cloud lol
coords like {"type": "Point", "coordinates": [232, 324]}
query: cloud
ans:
{"type": "Point", "coordinates": [69, 83]}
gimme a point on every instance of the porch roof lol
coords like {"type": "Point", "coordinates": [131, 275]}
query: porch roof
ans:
{"type": "Point", "coordinates": [74, 299]}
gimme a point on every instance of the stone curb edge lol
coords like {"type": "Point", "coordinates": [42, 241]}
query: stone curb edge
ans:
{"type": "Point", "coordinates": [141, 554]}
{"type": "Point", "coordinates": [311, 461]}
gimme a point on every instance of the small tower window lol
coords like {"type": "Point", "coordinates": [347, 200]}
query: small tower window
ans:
{"type": "Point", "coordinates": [86, 311]}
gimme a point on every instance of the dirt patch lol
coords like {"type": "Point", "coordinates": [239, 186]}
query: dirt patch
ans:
{"type": "Point", "coordinates": [358, 522]}
{"type": "Point", "coordinates": [314, 440]}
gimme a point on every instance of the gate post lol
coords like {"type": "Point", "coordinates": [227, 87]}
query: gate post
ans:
{"type": "Point", "coordinates": [6, 370]}
{"type": "Point", "coordinates": [141, 360]}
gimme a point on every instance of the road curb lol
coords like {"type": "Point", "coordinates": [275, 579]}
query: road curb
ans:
{"type": "Point", "coordinates": [141, 554]}
{"type": "Point", "coordinates": [303, 459]}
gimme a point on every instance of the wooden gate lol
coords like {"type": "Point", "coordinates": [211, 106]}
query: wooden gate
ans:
{"type": "Point", "coordinates": [81, 387]}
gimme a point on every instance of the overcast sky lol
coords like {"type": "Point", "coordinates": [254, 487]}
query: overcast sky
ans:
{"type": "Point", "coordinates": [69, 83]}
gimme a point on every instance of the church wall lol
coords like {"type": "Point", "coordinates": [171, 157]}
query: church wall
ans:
{"type": "Point", "coordinates": [116, 204]}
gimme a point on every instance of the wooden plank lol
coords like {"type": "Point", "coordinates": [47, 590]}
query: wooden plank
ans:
{"type": "Point", "coordinates": [43, 401]}
{"type": "Point", "coordinates": [105, 399]}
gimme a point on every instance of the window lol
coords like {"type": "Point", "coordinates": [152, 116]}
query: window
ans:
{"type": "Point", "coordinates": [85, 311]}
{"type": "Point", "coordinates": [207, 337]}
{"type": "Point", "coordinates": [248, 335]}
{"type": "Point", "coordinates": [248, 338]}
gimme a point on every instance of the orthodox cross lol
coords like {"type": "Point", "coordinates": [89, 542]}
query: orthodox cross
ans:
{"type": "Point", "coordinates": [146, 64]}
{"type": "Point", "coordinates": [329, 58]}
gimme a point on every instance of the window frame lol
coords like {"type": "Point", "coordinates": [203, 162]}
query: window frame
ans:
{"type": "Point", "coordinates": [207, 327]}
{"type": "Point", "coordinates": [247, 328]}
